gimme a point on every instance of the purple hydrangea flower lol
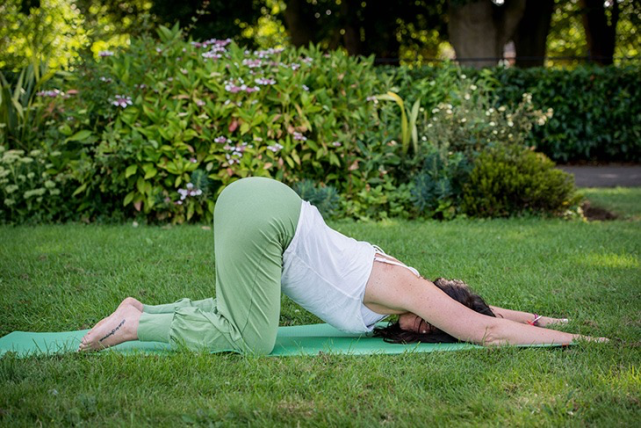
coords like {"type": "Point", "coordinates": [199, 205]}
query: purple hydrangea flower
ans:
{"type": "Point", "coordinates": [275, 148]}
{"type": "Point", "coordinates": [220, 140]}
{"type": "Point", "coordinates": [232, 87]}
{"type": "Point", "coordinates": [122, 101]}
{"type": "Point", "coordinates": [268, 52]}
{"type": "Point", "coordinates": [189, 190]}
{"type": "Point", "coordinates": [51, 94]}
{"type": "Point", "coordinates": [265, 81]}
{"type": "Point", "coordinates": [252, 63]}
{"type": "Point", "coordinates": [212, 55]}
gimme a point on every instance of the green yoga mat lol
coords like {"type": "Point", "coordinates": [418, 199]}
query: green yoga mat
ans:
{"type": "Point", "coordinates": [298, 340]}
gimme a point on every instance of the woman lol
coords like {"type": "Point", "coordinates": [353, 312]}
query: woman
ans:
{"type": "Point", "coordinates": [266, 240]}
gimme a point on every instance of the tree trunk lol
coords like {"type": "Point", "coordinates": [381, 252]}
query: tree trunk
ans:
{"type": "Point", "coordinates": [600, 35]}
{"type": "Point", "coordinates": [299, 25]}
{"type": "Point", "coordinates": [530, 38]}
{"type": "Point", "coordinates": [352, 35]}
{"type": "Point", "coordinates": [480, 29]}
{"type": "Point", "coordinates": [380, 29]}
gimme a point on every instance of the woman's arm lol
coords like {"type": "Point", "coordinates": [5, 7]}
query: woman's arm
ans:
{"type": "Point", "coordinates": [399, 290]}
{"type": "Point", "coordinates": [526, 317]}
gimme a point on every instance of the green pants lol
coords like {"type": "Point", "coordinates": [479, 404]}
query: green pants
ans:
{"type": "Point", "coordinates": [254, 221]}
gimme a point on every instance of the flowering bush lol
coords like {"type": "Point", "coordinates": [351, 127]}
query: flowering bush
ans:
{"type": "Point", "coordinates": [152, 117]}
{"type": "Point", "coordinates": [468, 122]}
{"type": "Point", "coordinates": [29, 190]}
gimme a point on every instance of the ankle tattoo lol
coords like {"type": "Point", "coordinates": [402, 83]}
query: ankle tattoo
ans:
{"type": "Point", "coordinates": [112, 332]}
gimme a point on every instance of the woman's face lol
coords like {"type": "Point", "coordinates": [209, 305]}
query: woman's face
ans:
{"type": "Point", "coordinates": [411, 322]}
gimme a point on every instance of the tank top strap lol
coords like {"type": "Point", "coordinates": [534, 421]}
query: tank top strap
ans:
{"type": "Point", "coordinates": [391, 260]}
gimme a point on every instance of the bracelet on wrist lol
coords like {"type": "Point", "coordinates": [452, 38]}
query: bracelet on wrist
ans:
{"type": "Point", "coordinates": [535, 321]}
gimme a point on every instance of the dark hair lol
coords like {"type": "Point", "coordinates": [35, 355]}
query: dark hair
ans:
{"type": "Point", "coordinates": [457, 290]}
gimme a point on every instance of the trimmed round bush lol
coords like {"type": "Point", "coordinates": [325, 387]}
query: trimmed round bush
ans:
{"type": "Point", "coordinates": [511, 180]}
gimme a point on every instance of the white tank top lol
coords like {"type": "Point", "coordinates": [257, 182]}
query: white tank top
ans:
{"type": "Point", "coordinates": [326, 273]}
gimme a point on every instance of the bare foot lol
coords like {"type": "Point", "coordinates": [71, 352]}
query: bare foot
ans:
{"type": "Point", "coordinates": [119, 327]}
{"type": "Point", "coordinates": [129, 301]}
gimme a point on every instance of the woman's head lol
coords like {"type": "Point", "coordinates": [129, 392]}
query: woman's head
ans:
{"type": "Point", "coordinates": [411, 328]}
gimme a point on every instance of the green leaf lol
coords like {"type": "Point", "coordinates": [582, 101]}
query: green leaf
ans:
{"type": "Point", "coordinates": [140, 185]}
{"type": "Point", "coordinates": [150, 170]}
{"type": "Point", "coordinates": [80, 189]}
{"type": "Point", "coordinates": [80, 136]}
{"type": "Point", "coordinates": [129, 198]}
{"type": "Point", "coordinates": [131, 170]}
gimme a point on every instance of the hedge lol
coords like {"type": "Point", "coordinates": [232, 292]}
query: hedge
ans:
{"type": "Point", "coordinates": [597, 110]}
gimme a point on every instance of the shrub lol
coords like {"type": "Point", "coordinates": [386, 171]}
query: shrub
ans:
{"type": "Point", "coordinates": [146, 120]}
{"type": "Point", "coordinates": [325, 198]}
{"type": "Point", "coordinates": [510, 180]}
{"type": "Point", "coordinates": [469, 122]}
{"type": "Point", "coordinates": [439, 185]}
{"type": "Point", "coordinates": [29, 188]}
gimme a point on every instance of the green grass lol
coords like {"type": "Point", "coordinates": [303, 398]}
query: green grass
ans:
{"type": "Point", "coordinates": [623, 201]}
{"type": "Point", "coordinates": [68, 277]}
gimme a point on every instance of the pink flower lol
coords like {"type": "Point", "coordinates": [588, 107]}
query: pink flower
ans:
{"type": "Point", "coordinates": [300, 137]}
{"type": "Point", "coordinates": [105, 53]}
{"type": "Point", "coordinates": [275, 148]}
{"type": "Point", "coordinates": [220, 140]}
{"type": "Point", "coordinates": [51, 94]}
{"type": "Point", "coordinates": [200, 103]}
{"type": "Point", "coordinates": [122, 101]}
{"type": "Point", "coordinates": [212, 55]}
{"type": "Point", "coordinates": [252, 63]}
{"type": "Point", "coordinates": [193, 160]}
{"type": "Point", "coordinates": [336, 144]}
{"type": "Point", "coordinates": [268, 52]}
{"type": "Point", "coordinates": [265, 81]}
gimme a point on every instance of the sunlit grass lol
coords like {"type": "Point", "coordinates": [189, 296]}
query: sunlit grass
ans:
{"type": "Point", "coordinates": [68, 277]}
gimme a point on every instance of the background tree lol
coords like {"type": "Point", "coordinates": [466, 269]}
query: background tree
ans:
{"type": "Point", "coordinates": [600, 24]}
{"type": "Point", "coordinates": [39, 31]}
{"type": "Point", "coordinates": [373, 27]}
{"type": "Point", "coordinates": [481, 28]}
{"type": "Point", "coordinates": [208, 19]}
{"type": "Point", "coordinates": [530, 37]}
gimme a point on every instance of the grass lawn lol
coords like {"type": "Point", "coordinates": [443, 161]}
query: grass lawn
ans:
{"type": "Point", "coordinates": [68, 277]}
{"type": "Point", "coordinates": [623, 201]}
